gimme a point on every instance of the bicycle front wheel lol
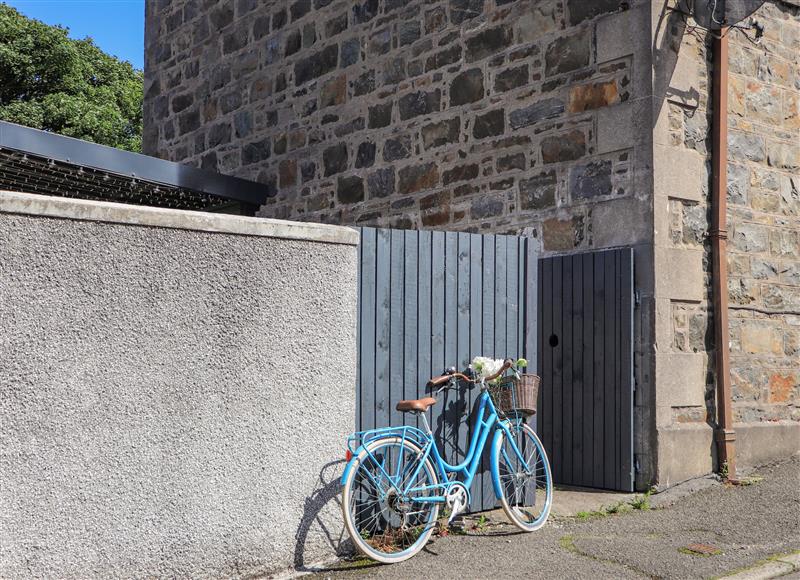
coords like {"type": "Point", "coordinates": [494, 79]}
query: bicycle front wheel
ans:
{"type": "Point", "coordinates": [526, 486]}
{"type": "Point", "coordinates": [381, 500]}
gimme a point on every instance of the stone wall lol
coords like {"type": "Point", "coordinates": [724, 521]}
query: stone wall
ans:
{"type": "Point", "coordinates": [764, 218]}
{"type": "Point", "coordinates": [153, 367]}
{"type": "Point", "coordinates": [763, 246]}
{"type": "Point", "coordinates": [497, 116]}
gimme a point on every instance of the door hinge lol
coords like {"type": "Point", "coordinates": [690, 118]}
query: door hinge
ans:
{"type": "Point", "coordinates": [636, 467]}
{"type": "Point", "coordinates": [637, 298]}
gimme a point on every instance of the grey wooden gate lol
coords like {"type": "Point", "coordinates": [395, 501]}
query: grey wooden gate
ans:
{"type": "Point", "coordinates": [586, 364]}
{"type": "Point", "coordinates": [430, 300]}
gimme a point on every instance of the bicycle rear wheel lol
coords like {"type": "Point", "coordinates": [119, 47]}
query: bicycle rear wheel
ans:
{"type": "Point", "coordinates": [526, 487]}
{"type": "Point", "coordinates": [384, 523]}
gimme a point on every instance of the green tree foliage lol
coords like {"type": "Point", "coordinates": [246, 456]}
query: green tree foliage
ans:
{"type": "Point", "coordinates": [49, 81]}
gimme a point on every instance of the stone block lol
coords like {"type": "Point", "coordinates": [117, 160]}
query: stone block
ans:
{"type": "Point", "coordinates": [538, 192]}
{"type": "Point", "coordinates": [381, 183]}
{"type": "Point", "coordinates": [511, 78]}
{"type": "Point", "coordinates": [538, 19]}
{"type": "Point", "coordinates": [467, 87]}
{"type": "Point", "coordinates": [563, 234]}
{"type": "Point", "coordinates": [679, 274]}
{"type": "Point", "coordinates": [580, 10]}
{"type": "Point", "coordinates": [350, 189]}
{"type": "Point", "coordinates": [590, 180]}
{"type": "Point", "coordinates": [568, 53]}
{"type": "Point", "coordinates": [746, 147]}
{"type": "Point", "coordinates": [419, 103]}
{"type": "Point", "coordinates": [616, 129]}
{"type": "Point", "coordinates": [757, 338]}
{"type": "Point", "coordinates": [761, 443]}
{"type": "Point", "coordinates": [679, 173]}
{"type": "Point", "coordinates": [566, 147]}
{"type": "Point", "coordinates": [418, 177]}
{"type": "Point", "coordinates": [784, 156]}
{"type": "Point", "coordinates": [621, 222]}
{"type": "Point", "coordinates": [489, 124]}
{"type": "Point", "coordinates": [750, 238]}
{"type": "Point", "coordinates": [335, 159]}
{"type": "Point", "coordinates": [684, 452]}
{"type": "Point", "coordinates": [544, 109]}
{"type": "Point", "coordinates": [487, 207]}
{"type": "Point", "coordinates": [593, 96]}
{"type": "Point", "coordinates": [380, 115]}
{"type": "Point", "coordinates": [316, 64]}
{"type": "Point", "coordinates": [449, 55]}
{"type": "Point", "coordinates": [398, 147]}
{"type": "Point", "coordinates": [351, 52]}
{"type": "Point", "coordinates": [462, 10]}
{"type": "Point", "coordinates": [441, 133]}
{"type": "Point", "coordinates": [680, 379]}
{"type": "Point", "coordinates": [511, 162]}
{"type": "Point", "coordinates": [334, 92]}
{"type": "Point", "coordinates": [460, 173]}
{"type": "Point", "coordinates": [615, 36]}
{"type": "Point", "coordinates": [365, 157]}
{"type": "Point", "coordinates": [488, 42]}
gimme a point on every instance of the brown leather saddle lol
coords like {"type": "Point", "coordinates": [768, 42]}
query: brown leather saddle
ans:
{"type": "Point", "coordinates": [415, 405]}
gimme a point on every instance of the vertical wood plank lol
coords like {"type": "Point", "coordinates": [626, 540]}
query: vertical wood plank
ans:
{"type": "Point", "coordinates": [424, 292]}
{"type": "Point", "coordinates": [367, 337]}
{"type": "Point", "coordinates": [609, 345]}
{"type": "Point", "coordinates": [558, 365]}
{"type": "Point", "coordinates": [501, 297]}
{"type": "Point", "coordinates": [626, 405]}
{"type": "Point", "coordinates": [487, 346]}
{"type": "Point", "coordinates": [597, 365]}
{"type": "Point", "coordinates": [512, 293]}
{"type": "Point", "coordinates": [449, 399]}
{"type": "Point", "coordinates": [462, 339]}
{"type": "Point", "coordinates": [546, 314]}
{"type": "Point", "coordinates": [396, 330]}
{"type": "Point", "coordinates": [476, 338]}
{"type": "Point", "coordinates": [410, 319]}
{"type": "Point", "coordinates": [437, 328]}
{"type": "Point", "coordinates": [568, 316]}
{"type": "Point", "coordinates": [383, 327]}
{"type": "Point", "coordinates": [587, 267]}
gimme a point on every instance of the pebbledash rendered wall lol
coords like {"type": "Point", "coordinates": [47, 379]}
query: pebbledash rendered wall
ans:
{"type": "Point", "coordinates": [175, 390]}
{"type": "Point", "coordinates": [581, 124]}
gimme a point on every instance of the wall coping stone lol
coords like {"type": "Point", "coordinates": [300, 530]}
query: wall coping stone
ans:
{"type": "Point", "coordinates": [118, 213]}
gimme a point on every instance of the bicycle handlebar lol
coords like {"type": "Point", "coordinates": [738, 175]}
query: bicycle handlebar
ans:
{"type": "Point", "coordinates": [440, 380]}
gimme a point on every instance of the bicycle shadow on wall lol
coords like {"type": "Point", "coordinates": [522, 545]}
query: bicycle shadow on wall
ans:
{"type": "Point", "coordinates": [322, 518]}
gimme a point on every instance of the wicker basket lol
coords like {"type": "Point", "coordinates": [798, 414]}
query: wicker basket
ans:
{"type": "Point", "coordinates": [512, 395]}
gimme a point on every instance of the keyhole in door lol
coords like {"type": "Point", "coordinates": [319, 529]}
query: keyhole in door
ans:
{"type": "Point", "coordinates": [553, 340]}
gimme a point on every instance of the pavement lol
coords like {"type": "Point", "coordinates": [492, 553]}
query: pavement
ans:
{"type": "Point", "coordinates": [702, 529]}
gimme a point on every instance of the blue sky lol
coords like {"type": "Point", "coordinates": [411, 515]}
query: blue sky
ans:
{"type": "Point", "coordinates": [117, 26]}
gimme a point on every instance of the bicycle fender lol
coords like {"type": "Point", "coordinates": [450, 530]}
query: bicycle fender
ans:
{"type": "Point", "coordinates": [349, 467]}
{"type": "Point", "coordinates": [495, 463]}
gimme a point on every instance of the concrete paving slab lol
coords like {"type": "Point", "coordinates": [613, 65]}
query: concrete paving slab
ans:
{"type": "Point", "coordinates": [570, 501]}
{"type": "Point", "coordinates": [763, 572]}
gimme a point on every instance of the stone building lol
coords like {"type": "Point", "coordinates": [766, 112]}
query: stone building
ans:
{"type": "Point", "coordinates": [582, 124]}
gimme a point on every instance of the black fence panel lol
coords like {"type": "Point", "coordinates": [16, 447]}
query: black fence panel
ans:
{"type": "Point", "coordinates": [586, 364]}
{"type": "Point", "coordinates": [431, 300]}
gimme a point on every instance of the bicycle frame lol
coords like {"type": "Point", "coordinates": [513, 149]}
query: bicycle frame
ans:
{"type": "Point", "coordinates": [486, 421]}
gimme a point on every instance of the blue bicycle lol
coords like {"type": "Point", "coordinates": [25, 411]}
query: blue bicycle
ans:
{"type": "Point", "coordinates": [396, 480]}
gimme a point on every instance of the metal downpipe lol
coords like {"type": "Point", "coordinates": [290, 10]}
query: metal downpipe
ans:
{"type": "Point", "coordinates": [724, 435]}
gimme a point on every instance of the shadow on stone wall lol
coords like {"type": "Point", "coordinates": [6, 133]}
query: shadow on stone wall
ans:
{"type": "Point", "coordinates": [322, 522]}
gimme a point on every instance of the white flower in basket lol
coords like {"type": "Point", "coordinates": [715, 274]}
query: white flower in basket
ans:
{"type": "Point", "coordinates": [485, 367]}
